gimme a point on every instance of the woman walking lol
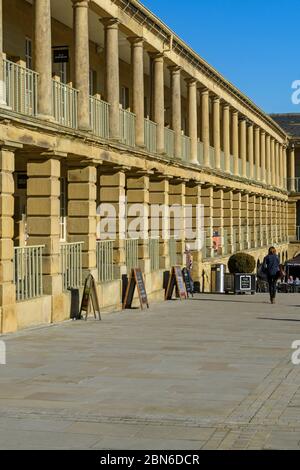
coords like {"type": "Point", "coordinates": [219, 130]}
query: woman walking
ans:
{"type": "Point", "coordinates": [271, 267]}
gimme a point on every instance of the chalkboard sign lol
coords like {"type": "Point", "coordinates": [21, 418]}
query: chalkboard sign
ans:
{"type": "Point", "coordinates": [136, 280]}
{"type": "Point", "coordinates": [188, 281]}
{"type": "Point", "coordinates": [176, 281]}
{"type": "Point", "coordinates": [245, 283]}
{"type": "Point", "coordinates": [90, 299]}
{"type": "Point", "coordinates": [60, 55]}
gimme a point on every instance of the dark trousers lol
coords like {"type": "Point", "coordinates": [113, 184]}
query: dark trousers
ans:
{"type": "Point", "coordinates": [272, 280]}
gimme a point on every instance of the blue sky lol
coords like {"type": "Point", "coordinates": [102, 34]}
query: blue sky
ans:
{"type": "Point", "coordinates": [253, 43]}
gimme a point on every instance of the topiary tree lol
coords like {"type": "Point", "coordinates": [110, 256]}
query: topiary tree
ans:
{"type": "Point", "coordinates": [241, 263]}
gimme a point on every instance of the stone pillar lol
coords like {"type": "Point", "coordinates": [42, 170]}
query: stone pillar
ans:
{"type": "Point", "coordinates": [8, 321]}
{"type": "Point", "coordinates": [268, 160]}
{"type": "Point", "coordinates": [177, 218]}
{"type": "Point", "coordinates": [137, 61]}
{"type": "Point", "coordinates": [263, 156]}
{"type": "Point", "coordinates": [160, 218]}
{"type": "Point", "coordinates": [205, 126]}
{"type": "Point", "coordinates": [277, 180]}
{"type": "Point", "coordinates": [236, 212]}
{"type": "Point", "coordinates": [176, 109]}
{"type": "Point", "coordinates": [228, 218]}
{"type": "Point", "coordinates": [82, 61]}
{"type": "Point", "coordinates": [285, 186]}
{"type": "Point", "coordinates": [250, 151]}
{"type": "Point", "coordinates": [112, 75]}
{"type": "Point", "coordinates": [216, 131]}
{"type": "Point", "coordinates": [252, 221]}
{"type": "Point", "coordinates": [273, 161]}
{"type": "Point", "coordinates": [82, 214]}
{"type": "Point", "coordinates": [235, 141]}
{"type": "Point", "coordinates": [226, 136]}
{"type": "Point", "coordinates": [138, 206]}
{"type": "Point", "coordinates": [3, 102]}
{"type": "Point", "coordinates": [193, 126]}
{"type": "Point", "coordinates": [43, 213]}
{"type": "Point", "coordinates": [245, 220]}
{"type": "Point", "coordinates": [282, 166]}
{"type": "Point", "coordinates": [159, 102]}
{"type": "Point", "coordinates": [257, 151]}
{"type": "Point", "coordinates": [193, 199]}
{"type": "Point", "coordinates": [112, 192]}
{"type": "Point", "coordinates": [218, 215]}
{"type": "Point", "coordinates": [243, 147]}
{"type": "Point", "coordinates": [207, 198]}
{"type": "Point", "coordinates": [43, 56]}
{"type": "Point", "coordinates": [292, 186]}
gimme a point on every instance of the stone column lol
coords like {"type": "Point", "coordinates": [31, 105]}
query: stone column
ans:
{"type": "Point", "coordinates": [43, 213]}
{"type": "Point", "coordinates": [176, 109]}
{"type": "Point", "coordinates": [273, 161]}
{"type": "Point", "coordinates": [282, 179]}
{"type": "Point", "coordinates": [228, 218]}
{"type": "Point", "coordinates": [268, 159]}
{"type": "Point", "coordinates": [82, 214]}
{"type": "Point", "coordinates": [159, 102]}
{"type": "Point", "coordinates": [82, 60]}
{"type": "Point", "coordinates": [243, 148]}
{"type": "Point", "coordinates": [112, 192]}
{"type": "Point", "coordinates": [257, 151]}
{"type": "Point", "coordinates": [277, 180]}
{"type": "Point", "coordinates": [207, 201]}
{"type": "Point", "coordinates": [285, 167]}
{"type": "Point", "coordinates": [218, 200]}
{"type": "Point", "coordinates": [138, 206]}
{"type": "Point", "coordinates": [205, 126]}
{"type": "Point", "coordinates": [8, 321]}
{"type": "Point", "coordinates": [252, 221]}
{"type": "Point", "coordinates": [160, 218]}
{"type": "Point", "coordinates": [177, 219]}
{"type": "Point", "coordinates": [137, 63]}
{"type": "Point", "coordinates": [236, 212]}
{"type": "Point", "coordinates": [245, 220]}
{"type": "Point", "coordinates": [250, 151]}
{"type": "Point", "coordinates": [216, 131]}
{"type": "Point", "coordinates": [193, 126]}
{"type": "Point", "coordinates": [111, 26]}
{"type": "Point", "coordinates": [226, 136]}
{"type": "Point", "coordinates": [235, 141]}
{"type": "Point", "coordinates": [263, 156]}
{"type": "Point", "coordinates": [292, 186]}
{"type": "Point", "coordinates": [193, 199]}
{"type": "Point", "coordinates": [3, 102]}
{"type": "Point", "coordinates": [43, 56]}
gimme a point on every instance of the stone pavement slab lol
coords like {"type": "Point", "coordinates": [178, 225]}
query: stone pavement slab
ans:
{"type": "Point", "coordinates": [213, 372]}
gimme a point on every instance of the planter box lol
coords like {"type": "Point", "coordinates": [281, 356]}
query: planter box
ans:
{"type": "Point", "coordinates": [240, 283]}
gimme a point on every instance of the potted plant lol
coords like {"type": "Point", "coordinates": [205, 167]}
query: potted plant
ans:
{"type": "Point", "coordinates": [240, 279]}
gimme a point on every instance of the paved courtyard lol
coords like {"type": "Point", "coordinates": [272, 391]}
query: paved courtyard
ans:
{"type": "Point", "coordinates": [213, 372]}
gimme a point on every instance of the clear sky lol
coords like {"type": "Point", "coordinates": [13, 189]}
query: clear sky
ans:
{"type": "Point", "coordinates": [255, 44]}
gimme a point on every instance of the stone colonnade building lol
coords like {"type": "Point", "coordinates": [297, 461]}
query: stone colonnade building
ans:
{"type": "Point", "coordinates": [99, 101]}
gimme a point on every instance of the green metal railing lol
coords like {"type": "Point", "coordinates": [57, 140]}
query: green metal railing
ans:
{"type": "Point", "coordinates": [99, 117]}
{"type": "Point", "coordinates": [28, 273]}
{"type": "Point", "coordinates": [185, 148]}
{"type": "Point", "coordinates": [200, 151]}
{"type": "Point", "coordinates": [222, 161]}
{"type": "Point", "coordinates": [173, 251]}
{"type": "Point", "coordinates": [105, 263]}
{"type": "Point", "coordinates": [71, 264]}
{"type": "Point", "coordinates": [150, 135]}
{"type": "Point", "coordinates": [154, 253]}
{"type": "Point", "coordinates": [131, 253]}
{"type": "Point", "coordinates": [232, 164]}
{"type": "Point", "coordinates": [169, 142]}
{"type": "Point", "coordinates": [65, 104]}
{"type": "Point", "coordinates": [212, 157]}
{"type": "Point", "coordinates": [20, 88]}
{"type": "Point", "coordinates": [293, 185]}
{"type": "Point", "coordinates": [127, 128]}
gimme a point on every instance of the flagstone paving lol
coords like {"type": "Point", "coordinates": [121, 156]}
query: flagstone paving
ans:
{"type": "Point", "coordinates": [213, 372]}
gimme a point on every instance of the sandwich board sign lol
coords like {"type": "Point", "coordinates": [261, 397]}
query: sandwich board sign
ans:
{"type": "Point", "coordinates": [176, 281]}
{"type": "Point", "coordinates": [90, 299]}
{"type": "Point", "coordinates": [136, 280]}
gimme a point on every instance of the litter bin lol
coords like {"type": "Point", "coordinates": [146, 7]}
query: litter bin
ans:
{"type": "Point", "coordinates": [217, 278]}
